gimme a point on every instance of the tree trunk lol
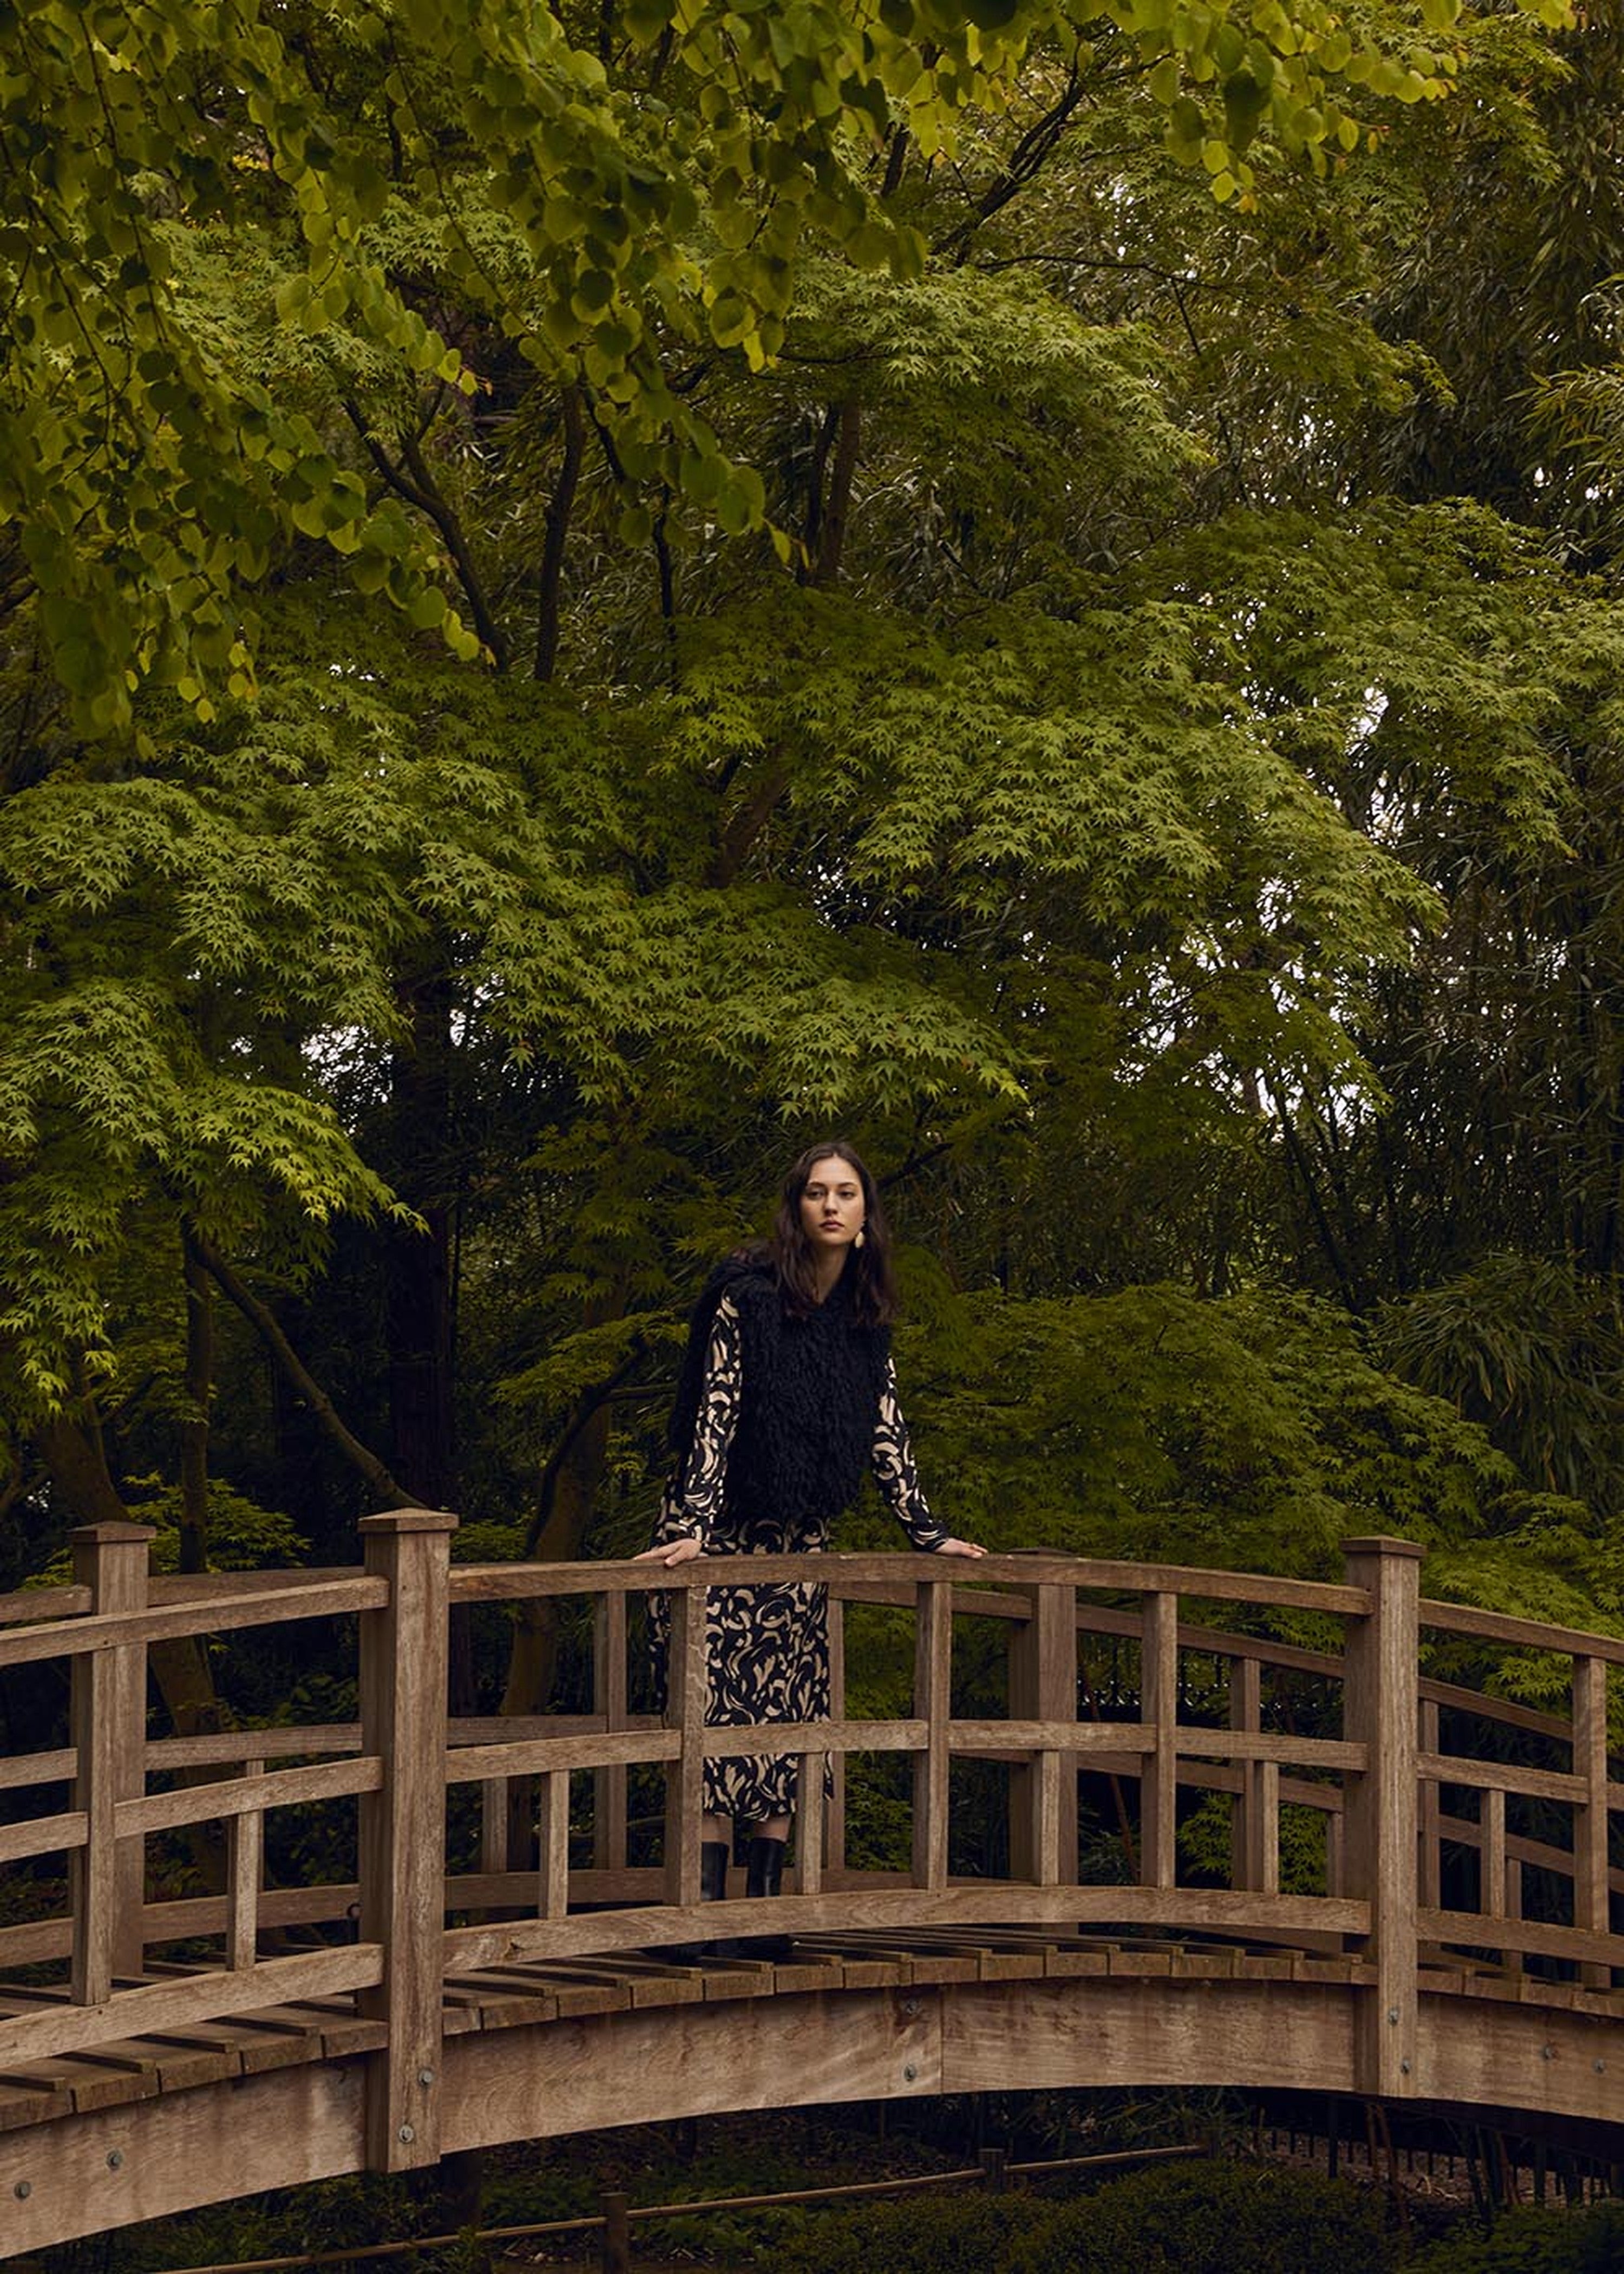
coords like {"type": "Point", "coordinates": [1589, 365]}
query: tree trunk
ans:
{"type": "Point", "coordinates": [195, 1427]}
{"type": "Point", "coordinates": [420, 1318]}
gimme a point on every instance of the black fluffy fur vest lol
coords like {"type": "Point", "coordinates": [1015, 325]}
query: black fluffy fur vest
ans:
{"type": "Point", "coordinates": [808, 1404]}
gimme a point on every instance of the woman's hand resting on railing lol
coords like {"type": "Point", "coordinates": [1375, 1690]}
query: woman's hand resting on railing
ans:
{"type": "Point", "coordinates": [686, 1547]}
{"type": "Point", "coordinates": [683, 1549]}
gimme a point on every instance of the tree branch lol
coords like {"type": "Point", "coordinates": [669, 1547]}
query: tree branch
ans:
{"type": "Point", "coordinates": [831, 537]}
{"type": "Point", "coordinates": [590, 1401]}
{"type": "Point", "coordinates": [264, 1322]}
{"type": "Point", "coordinates": [1025, 160]}
{"type": "Point", "coordinates": [559, 509]}
{"type": "Point", "coordinates": [417, 484]}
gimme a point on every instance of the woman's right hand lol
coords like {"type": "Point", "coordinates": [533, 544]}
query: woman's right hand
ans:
{"type": "Point", "coordinates": [683, 1549]}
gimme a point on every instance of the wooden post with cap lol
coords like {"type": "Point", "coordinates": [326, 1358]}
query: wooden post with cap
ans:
{"type": "Point", "coordinates": [403, 1722]}
{"type": "Point", "coordinates": [1380, 1710]}
{"type": "Point", "coordinates": [110, 1736]}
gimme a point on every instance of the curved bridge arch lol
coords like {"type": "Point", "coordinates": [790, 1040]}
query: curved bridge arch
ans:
{"type": "Point", "coordinates": [1452, 1944]}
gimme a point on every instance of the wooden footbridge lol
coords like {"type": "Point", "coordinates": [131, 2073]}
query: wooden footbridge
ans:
{"type": "Point", "coordinates": [1147, 1826]}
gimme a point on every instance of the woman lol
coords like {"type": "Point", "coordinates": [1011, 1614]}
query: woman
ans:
{"type": "Point", "coordinates": [787, 1397]}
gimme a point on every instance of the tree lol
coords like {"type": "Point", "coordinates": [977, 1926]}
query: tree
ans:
{"type": "Point", "coordinates": [808, 565]}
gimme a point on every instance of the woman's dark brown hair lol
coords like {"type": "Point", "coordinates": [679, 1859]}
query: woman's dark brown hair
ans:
{"type": "Point", "coordinates": [869, 1274]}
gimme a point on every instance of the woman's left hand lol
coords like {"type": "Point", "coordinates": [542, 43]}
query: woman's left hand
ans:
{"type": "Point", "coordinates": [961, 1547]}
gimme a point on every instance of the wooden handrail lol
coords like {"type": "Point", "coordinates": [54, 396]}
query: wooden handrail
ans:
{"type": "Point", "coordinates": [472, 1583]}
{"type": "Point", "coordinates": [1371, 1764]}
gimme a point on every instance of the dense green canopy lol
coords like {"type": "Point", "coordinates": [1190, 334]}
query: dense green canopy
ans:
{"type": "Point", "coordinates": [587, 594]}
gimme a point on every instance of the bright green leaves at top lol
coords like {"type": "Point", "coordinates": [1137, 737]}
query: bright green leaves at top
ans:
{"type": "Point", "coordinates": [664, 201]}
{"type": "Point", "coordinates": [1226, 74]}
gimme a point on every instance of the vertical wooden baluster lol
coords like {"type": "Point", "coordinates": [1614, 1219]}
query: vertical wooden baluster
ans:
{"type": "Point", "coordinates": [403, 1722]}
{"type": "Point", "coordinates": [1044, 1688]}
{"type": "Point", "coordinates": [1380, 1711]}
{"type": "Point", "coordinates": [1336, 1851]}
{"type": "Point", "coordinates": [810, 1826]}
{"type": "Point", "coordinates": [1429, 1816]}
{"type": "Point", "coordinates": [1159, 1711]}
{"type": "Point", "coordinates": [494, 1793]}
{"type": "Point", "coordinates": [1492, 1854]}
{"type": "Point", "coordinates": [553, 1841]}
{"type": "Point", "coordinates": [933, 1702]}
{"type": "Point", "coordinates": [685, 1710]}
{"type": "Point", "coordinates": [834, 1822]}
{"type": "Point", "coordinates": [109, 1718]}
{"type": "Point", "coordinates": [1269, 1825]}
{"type": "Point", "coordinates": [1514, 1907]}
{"type": "Point", "coordinates": [609, 1698]}
{"type": "Point", "coordinates": [1591, 1908]}
{"type": "Point", "coordinates": [1246, 1821]}
{"type": "Point", "coordinates": [245, 1859]}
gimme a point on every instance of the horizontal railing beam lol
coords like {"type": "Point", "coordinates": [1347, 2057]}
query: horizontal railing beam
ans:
{"type": "Point", "coordinates": [511, 1582]}
{"type": "Point", "coordinates": [117, 1631]}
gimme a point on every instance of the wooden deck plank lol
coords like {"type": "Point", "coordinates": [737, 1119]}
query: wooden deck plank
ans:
{"type": "Point", "coordinates": [27, 2098]}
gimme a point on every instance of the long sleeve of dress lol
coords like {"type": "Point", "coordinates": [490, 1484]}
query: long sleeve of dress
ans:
{"type": "Point", "coordinates": [695, 1498]}
{"type": "Point", "coordinates": [894, 1471]}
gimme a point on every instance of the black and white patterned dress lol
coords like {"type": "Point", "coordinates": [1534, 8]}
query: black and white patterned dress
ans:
{"type": "Point", "coordinates": [767, 1647]}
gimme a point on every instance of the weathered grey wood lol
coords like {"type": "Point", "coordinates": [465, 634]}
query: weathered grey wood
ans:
{"type": "Point", "coordinates": [1499, 1626]}
{"type": "Point", "coordinates": [1246, 1830]}
{"type": "Point", "coordinates": [176, 2003]}
{"type": "Point", "coordinates": [609, 1696]}
{"type": "Point", "coordinates": [249, 1795]}
{"type": "Point", "coordinates": [810, 1825]}
{"type": "Point", "coordinates": [25, 1769]}
{"type": "Point", "coordinates": [44, 1835]}
{"type": "Point", "coordinates": [1159, 1703]}
{"type": "Point", "coordinates": [511, 1582]}
{"type": "Point", "coordinates": [834, 1819]}
{"type": "Point", "coordinates": [1382, 1712]}
{"type": "Point", "coordinates": [1194, 1744]}
{"type": "Point", "coordinates": [552, 1845]}
{"type": "Point", "coordinates": [1429, 1885]}
{"type": "Point", "coordinates": [1592, 1907]}
{"type": "Point", "coordinates": [1492, 1895]}
{"type": "Point", "coordinates": [244, 1861]}
{"type": "Point", "coordinates": [1471, 1931]}
{"type": "Point", "coordinates": [1503, 1776]}
{"type": "Point", "coordinates": [227, 1748]}
{"type": "Point", "coordinates": [1268, 1827]}
{"type": "Point", "coordinates": [86, 1638]}
{"type": "Point", "coordinates": [403, 1659]}
{"type": "Point", "coordinates": [685, 1710]}
{"type": "Point", "coordinates": [933, 1679]}
{"type": "Point", "coordinates": [557, 1968]}
{"type": "Point", "coordinates": [1043, 1689]}
{"type": "Point", "coordinates": [26, 1605]}
{"type": "Point", "coordinates": [540, 1755]}
{"type": "Point", "coordinates": [108, 1715]}
{"type": "Point", "coordinates": [1336, 1853]}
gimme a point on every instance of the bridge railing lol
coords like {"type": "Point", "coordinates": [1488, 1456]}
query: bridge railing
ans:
{"type": "Point", "coordinates": [1453, 1828]}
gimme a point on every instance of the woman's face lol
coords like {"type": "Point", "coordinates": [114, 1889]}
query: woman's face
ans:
{"type": "Point", "coordinates": [831, 1205]}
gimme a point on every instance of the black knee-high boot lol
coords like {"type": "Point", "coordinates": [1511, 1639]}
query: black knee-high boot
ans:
{"type": "Point", "coordinates": [713, 1862]}
{"type": "Point", "coordinates": [764, 1866]}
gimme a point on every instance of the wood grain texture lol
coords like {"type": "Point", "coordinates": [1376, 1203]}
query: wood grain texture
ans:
{"type": "Point", "coordinates": [275, 1606]}
{"type": "Point", "coordinates": [107, 1718]}
{"type": "Point", "coordinates": [176, 2003]}
{"type": "Point", "coordinates": [1373, 1988]}
{"type": "Point", "coordinates": [404, 1648]}
{"type": "Point", "coordinates": [1381, 1711]}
